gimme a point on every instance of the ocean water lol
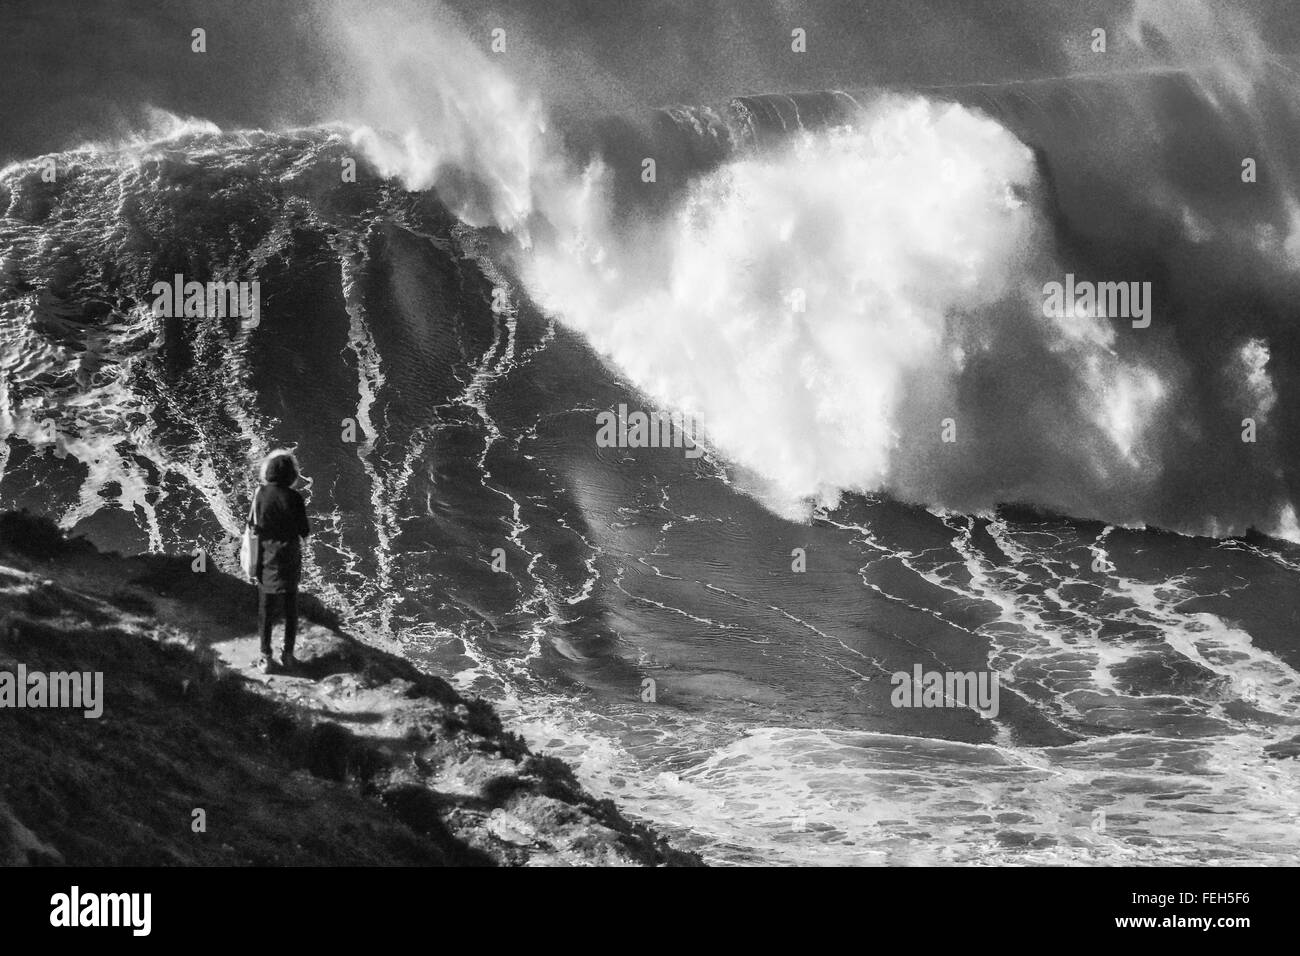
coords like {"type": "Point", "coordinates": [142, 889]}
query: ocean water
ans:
{"type": "Point", "coordinates": [826, 282]}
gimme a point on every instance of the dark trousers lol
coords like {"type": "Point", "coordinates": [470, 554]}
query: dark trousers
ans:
{"type": "Point", "coordinates": [266, 607]}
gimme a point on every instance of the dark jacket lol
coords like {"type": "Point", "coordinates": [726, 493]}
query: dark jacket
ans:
{"type": "Point", "coordinates": [280, 521]}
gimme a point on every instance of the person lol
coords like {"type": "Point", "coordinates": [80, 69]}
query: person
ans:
{"type": "Point", "coordinates": [279, 518]}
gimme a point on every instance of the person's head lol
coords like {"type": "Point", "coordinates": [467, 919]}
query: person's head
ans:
{"type": "Point", "coordinates": [279, 468]}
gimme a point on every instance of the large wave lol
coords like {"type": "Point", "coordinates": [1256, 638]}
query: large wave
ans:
{"type": "Point", "coordinates": [834, 284]}
{"type": "Point", "coordinates": [833, 302]}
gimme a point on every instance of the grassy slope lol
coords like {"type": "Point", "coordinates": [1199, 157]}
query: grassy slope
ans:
{"type": "Point", "coordinates": [360, 759]}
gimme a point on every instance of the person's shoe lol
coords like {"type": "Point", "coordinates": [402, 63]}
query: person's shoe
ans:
{"type": "Point", "coordinates": [266, 664]}
{"type": "Point", "coordinates": [288, 661]}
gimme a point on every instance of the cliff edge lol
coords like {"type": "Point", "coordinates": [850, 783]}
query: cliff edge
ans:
{"type": "Point", "coordinates": [357, 758]}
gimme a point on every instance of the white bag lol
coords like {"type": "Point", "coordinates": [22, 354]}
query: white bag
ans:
{"type": "Point", "coordinates": [249, 547]}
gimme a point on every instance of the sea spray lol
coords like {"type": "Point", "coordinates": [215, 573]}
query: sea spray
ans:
{"type": "Point", "coordinates": [818, 307]}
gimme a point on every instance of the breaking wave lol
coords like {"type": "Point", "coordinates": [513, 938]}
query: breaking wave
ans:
{"type": "Point", "coordinates": [847, 289]}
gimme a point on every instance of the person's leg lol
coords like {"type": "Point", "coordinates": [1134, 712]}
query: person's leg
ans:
{"type": "Point", "coordinates": [265, 619]}
{"type": "Point", "coordinates": [290, 620]}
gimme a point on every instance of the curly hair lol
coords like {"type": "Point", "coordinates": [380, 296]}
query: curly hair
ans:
{"type": "Point", "coordinates": [279, 468]}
